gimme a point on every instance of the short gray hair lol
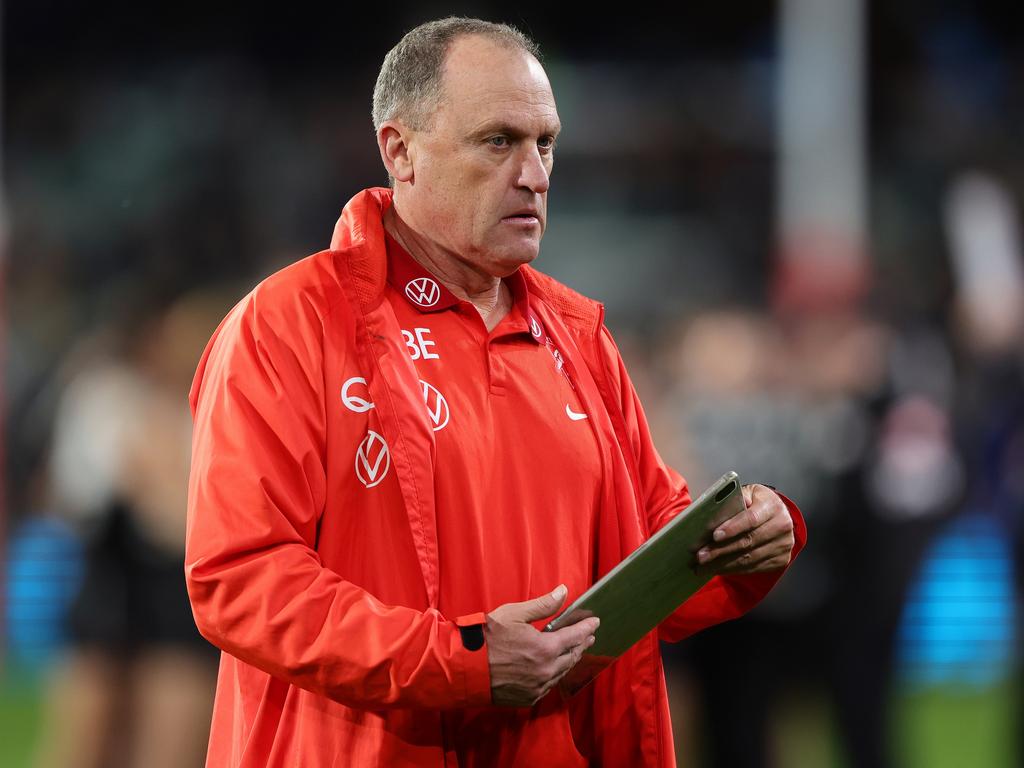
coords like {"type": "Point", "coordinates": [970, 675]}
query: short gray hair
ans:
{"type": "Point", "coordinates": [409, 83]}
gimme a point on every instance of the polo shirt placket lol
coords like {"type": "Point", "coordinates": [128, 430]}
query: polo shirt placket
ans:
{"type": "Point", "coordinates": [517, 471]}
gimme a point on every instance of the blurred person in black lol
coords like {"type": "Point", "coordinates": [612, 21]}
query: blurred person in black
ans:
{"type": "Point", "coordinates": [832, 403]}
{"type": "Point", "coordinates": [910, 481]}
{"type": "Point", "coordinates": [135, 687]}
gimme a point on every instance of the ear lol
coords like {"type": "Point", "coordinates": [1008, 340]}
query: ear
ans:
{"type": "Point", "coordinates": [393, 141]}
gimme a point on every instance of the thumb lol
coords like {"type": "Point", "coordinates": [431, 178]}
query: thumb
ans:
{"type": "Point", "coordinates": [543, 606]}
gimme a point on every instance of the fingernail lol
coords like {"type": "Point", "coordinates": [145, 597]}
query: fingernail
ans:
{"type": "Point", "coordinates": [702, 555]}
{"type": "Point", "coordinates": [559, 592]}
{"type": "Point", "coordinates": [591, 641]}
{"type": "Point", "coordinates": [719, 534]}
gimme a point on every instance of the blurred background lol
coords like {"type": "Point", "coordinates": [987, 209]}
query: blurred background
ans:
{"type": "Point", "coordinates": [803, 218]}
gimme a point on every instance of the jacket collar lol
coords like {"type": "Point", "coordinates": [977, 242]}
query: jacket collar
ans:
{"type": "Point", "coordinates": [360, 233]}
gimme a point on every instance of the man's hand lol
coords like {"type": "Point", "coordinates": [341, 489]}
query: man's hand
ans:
{"type": "Point", "coordinates": [525, 663]}
{"type": "Point", "coordinates": [758, 539]}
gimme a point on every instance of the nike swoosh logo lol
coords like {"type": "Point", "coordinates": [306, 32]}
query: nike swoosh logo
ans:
{"type": "Point", "coordinates": [573, 415]}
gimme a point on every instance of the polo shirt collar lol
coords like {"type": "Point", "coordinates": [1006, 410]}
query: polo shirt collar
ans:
{"type": "Point", "coordinates": [420, 288]}
{"type": "Point", "coordinates": [428, 294]}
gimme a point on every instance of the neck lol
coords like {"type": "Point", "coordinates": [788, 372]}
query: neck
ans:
{"type": "Point", "coordinates": [487, 293]}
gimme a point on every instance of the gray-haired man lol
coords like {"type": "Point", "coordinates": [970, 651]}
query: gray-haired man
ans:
{"type": "Point", "coordinates": [400, 440]}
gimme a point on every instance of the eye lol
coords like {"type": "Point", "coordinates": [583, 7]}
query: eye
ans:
{"type": "Point", "coordinates": [546, 143]}
{"type": "Point", "coordinates": [498, 141]}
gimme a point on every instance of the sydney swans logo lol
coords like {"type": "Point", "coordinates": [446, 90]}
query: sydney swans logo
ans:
{"type": "Point", "coordinates": [423, 291]}
{"type": "Point", "coordinates": [437, 406]}
{"type": "Point", "coordinates": [372, 459]}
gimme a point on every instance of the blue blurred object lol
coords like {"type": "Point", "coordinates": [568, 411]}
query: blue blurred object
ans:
{"type": "Point", "coordinates": [959, 621]}
{"type": "Point", "coordinates": [44, 570]}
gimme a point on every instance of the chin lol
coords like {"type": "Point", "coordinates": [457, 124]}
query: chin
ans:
{"type": "Point", "coordinates": [507, 264]}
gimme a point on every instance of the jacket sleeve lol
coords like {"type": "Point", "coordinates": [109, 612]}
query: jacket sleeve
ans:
{"type": "Point", "coordinates": [665, 494]}
{"type": "Point", "coordinates": [257, 488]}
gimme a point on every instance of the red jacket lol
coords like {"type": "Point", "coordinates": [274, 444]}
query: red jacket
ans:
{"type": "Point", "coordinates": [324, 605]}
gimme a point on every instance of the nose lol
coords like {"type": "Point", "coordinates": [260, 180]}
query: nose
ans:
{"type": "Point", "coordinates": [533, 171]}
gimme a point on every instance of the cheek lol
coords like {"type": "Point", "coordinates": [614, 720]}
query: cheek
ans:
{"type": "Point", "coordinates": [465, 198]}
{"type": "Point", "coordinates": [438, 199]}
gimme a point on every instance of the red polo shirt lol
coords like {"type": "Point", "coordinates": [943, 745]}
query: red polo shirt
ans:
{"type": "Point", "coordinates": [517, 477]}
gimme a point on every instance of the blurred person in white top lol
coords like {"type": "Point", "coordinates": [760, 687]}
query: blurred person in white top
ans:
{"type": "Point", "coordinates": [135, 687]}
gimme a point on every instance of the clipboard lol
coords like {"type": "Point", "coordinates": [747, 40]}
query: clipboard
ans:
{"type": "Point", "coordinates": [645, 588]}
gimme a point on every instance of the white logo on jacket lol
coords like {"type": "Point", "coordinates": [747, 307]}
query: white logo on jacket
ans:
{"type": "Point", "coordinates": [419, 345]}
{"type": "Point", "coordinates": [373, 459]}
{"type": "Point", "coordinates": [437, 406]}
{"type": "Point", "coordinates": [573, 415]}
{"type": "Point", "coordinates": [355, 402]}
{"type": "Point", "coordinates": [423, 291]}
{"type": "Point", "coordinates": [559, 361]}
{"type": "Point", "coordinates": [535, 328]}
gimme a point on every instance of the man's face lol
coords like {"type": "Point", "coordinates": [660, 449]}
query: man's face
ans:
{"type": "Point", "coordinates": [481, 169]}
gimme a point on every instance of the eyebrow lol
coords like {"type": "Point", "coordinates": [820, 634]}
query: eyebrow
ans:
{"type": "Point", "coordinates": [499, 126]}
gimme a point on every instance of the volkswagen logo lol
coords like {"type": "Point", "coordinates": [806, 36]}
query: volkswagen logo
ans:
{"type": "Point", "coordinates": [423, 291]}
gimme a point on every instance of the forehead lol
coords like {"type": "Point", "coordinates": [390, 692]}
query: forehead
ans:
{"type": "Point", "coordinates": [485, 81]}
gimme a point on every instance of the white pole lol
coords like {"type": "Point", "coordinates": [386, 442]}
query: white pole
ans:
{"type": "Point", "coordinates": [822, 210]}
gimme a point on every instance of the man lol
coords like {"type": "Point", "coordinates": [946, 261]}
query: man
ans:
{"type": "Point", "coordinates": [400, 440]}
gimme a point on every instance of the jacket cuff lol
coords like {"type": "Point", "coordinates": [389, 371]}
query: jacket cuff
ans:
{"type": "Point", "coordinates": [473, 666]}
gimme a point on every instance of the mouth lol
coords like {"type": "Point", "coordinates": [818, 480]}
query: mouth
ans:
{"type": "Point", "coordinates": [523, 217]}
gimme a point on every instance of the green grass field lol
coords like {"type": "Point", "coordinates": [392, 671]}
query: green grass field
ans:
{"type": "Point", "coordinates": [936, 727]}
{"type": "Point", "coordinates": [20, 719]}
{"type": "Point", "coordinates": [948, 727]}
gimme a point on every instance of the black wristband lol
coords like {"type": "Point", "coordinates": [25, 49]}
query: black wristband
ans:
{"type": "Point", "coordinates": [472, 636]}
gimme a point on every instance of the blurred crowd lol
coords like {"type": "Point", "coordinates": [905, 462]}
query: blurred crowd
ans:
{"type": "Point", "coordinates": [145, 198]}
{"type": "Point", "coordinates": [890, 436]}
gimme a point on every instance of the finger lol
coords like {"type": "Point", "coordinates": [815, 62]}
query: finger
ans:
{"type": "Point", "coordinates": [757, 566]}
{"type": "Point", "coordinates": [565, 664]}
{"type": "Point", "coordinates": [763, 505]}
{"type": "Point", "coordinates": [570, 660]}
{"type": "Point", "coordinates": [569, 637]}
{"type": "Point", "coordinates": [771, 556]}
{"type": "Point", "coordinates": [541, 607]}
{"type": "Point", "coordinates": [775, 527]}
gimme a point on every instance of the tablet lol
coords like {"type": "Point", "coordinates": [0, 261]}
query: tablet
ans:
{"type": "Point", "coordinates": [645, 588]}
